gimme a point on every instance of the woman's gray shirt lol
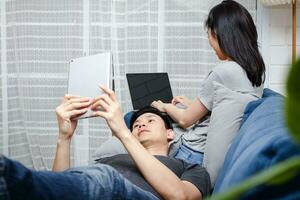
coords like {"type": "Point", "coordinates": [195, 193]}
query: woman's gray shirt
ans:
{"type": "Point", "coordinates": [231, 75]}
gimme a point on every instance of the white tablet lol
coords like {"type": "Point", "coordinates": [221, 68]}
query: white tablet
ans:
{"type": "Point", "coordinates": [87, 73]}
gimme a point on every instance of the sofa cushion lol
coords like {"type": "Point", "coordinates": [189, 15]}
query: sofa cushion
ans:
{"type": "Point", "coordinates": [112, 146]}
{"type": "Point", "coordinates": [225, 121]}
{"type": "Point", "coordinates": [262, 141]}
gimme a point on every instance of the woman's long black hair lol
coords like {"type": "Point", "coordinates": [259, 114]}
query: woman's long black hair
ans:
{"type": "Point", "coordinates": [236, 33]}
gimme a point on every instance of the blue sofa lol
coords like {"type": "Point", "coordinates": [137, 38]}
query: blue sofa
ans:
{"type": "Point", "coordinates": [262, 142]}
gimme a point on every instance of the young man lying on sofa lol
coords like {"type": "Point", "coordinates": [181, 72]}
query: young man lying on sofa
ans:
{"type": "Point", "coordinates": [146, 173]}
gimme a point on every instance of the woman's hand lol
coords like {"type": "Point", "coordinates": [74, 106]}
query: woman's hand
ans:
{"type": "Point", "coordinates": [183, 100]}
{"type": "Point", "coordinates": [108, 107]}
{"type": "Point", "coordinates": [161, 106]}
{"type": "Point", "coordinates": [70, 108]}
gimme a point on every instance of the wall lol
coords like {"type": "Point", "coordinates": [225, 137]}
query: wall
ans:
{"type": "Point", "coordinates": [275, 30]}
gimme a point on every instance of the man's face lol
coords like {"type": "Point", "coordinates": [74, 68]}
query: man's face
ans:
{"type": "Point", "coordinates": [150, 127]}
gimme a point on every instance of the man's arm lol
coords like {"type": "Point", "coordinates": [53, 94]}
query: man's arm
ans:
{"type": "Point", "coordinates": [71, 106]}
{"type": "Point", "coordinates": [161, 178]}
{"type": "Point", "coordinates": [62, 155]}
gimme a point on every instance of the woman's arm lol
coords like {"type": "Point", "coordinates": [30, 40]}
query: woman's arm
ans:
{"type": "Point", "coordinates": [184, 117]}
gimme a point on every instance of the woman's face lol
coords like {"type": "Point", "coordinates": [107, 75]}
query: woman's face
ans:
{"type": "Point", "coordinates": [215, 45]}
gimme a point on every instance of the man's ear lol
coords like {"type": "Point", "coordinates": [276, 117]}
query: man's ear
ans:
{"type": "Point", "coordinates": [170, 135]}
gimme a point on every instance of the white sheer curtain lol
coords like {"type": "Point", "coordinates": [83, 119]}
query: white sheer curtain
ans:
{"type": "Point", "coordinates": [39, 37]}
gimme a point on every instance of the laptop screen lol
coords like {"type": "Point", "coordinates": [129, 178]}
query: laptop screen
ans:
{"type": "Point", "coordinates": [145, 88]}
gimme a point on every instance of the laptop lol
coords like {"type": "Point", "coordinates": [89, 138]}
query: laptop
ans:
{"type": "Point", "coordinates": [145, 88]}
{"type": "Point", "coordinates": [87, 73]}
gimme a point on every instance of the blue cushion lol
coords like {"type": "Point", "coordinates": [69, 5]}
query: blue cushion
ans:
{"type": "Point", "coordinates": [254, 104]}
{"type": "Point", "coordinates": [262, 141]}
{"type": "Point", "coordinates": [127, 118]}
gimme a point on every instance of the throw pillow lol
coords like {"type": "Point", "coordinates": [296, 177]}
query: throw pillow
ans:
{"type": "Point", "coordinates": [110, 147]}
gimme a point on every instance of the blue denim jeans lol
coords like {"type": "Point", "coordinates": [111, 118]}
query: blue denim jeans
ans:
{"type": "Point", "coordinates": [189, 155]}
{"type": "Point", "coordinates": [93, 182]}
